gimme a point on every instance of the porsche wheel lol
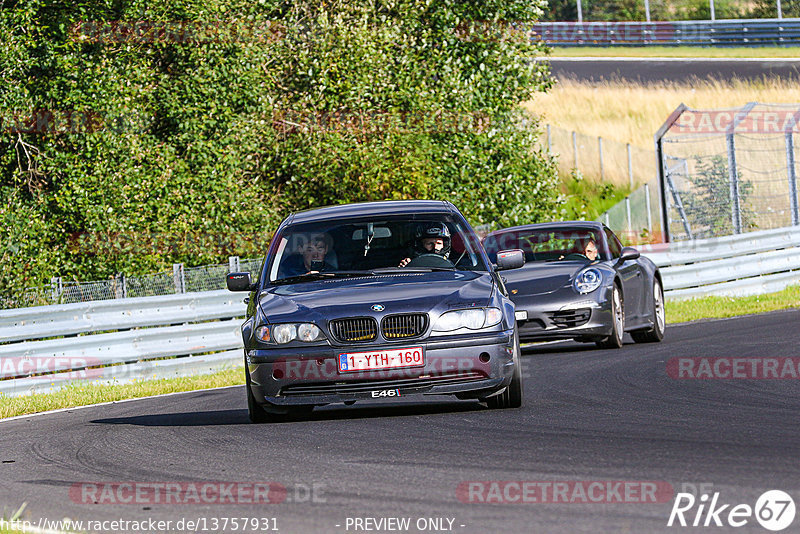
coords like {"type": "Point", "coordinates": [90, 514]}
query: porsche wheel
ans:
{"type": "Point", "coordinates": [655, 334]}
{"type": "Point", "coordinates": [614, 340]}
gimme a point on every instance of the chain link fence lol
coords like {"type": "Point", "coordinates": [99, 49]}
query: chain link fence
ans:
{"type": "Point", "coordinates": [601, 159]}
{"type": "Point", "coordinates": [178, 280]}
{"type": "Point", "coordinates": [729, 171]}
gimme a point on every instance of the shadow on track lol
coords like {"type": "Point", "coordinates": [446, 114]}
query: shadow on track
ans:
{"type": "Point", "coordinates": [325, 413]}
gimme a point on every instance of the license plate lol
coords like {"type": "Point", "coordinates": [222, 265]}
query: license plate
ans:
{"type": "Point", "coordinates": [381, 359]}
{"type": "Point", "coordinates": [521, 315]}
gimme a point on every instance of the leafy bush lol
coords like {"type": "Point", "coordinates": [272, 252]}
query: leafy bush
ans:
{"type": "Point", "coordinates": [168, 149]}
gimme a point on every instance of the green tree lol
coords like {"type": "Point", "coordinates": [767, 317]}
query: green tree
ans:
{"type": "Point", "coordinates": [192, 146]}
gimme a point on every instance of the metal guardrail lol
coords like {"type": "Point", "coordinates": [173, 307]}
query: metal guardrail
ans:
{"type": "Point", "coordinates": [118, 341]}
{"type": "Point", "coordinates": [122, 340]}
{"type": "Point", "coordinates": [731, 32]}
{"type": "Point", "coordinates": [744, 264]}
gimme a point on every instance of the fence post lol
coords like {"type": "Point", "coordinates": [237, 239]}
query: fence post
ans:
{"type": "Point", "coordinates": [628, 215]}
{"type": "Point", "coordinates": [233, 264]}
{"type": "Point", "coordinates": [647, 207]}
{"type": "Point", "coordinates": [792, 178]}
{"type": "Point", "coordinates": [57, 287]}
{"type": "Point", "coordinates": [575, 150]}
{"type": "Point", "coordinates": [630, 165]}
{"type": "Point", "coordinates": [733, 176]}
{"type": "Point", "coordinates": [600, 151]}
{"type": "Point", "coordinates": [120, 290]}
{"type": "Point", "coordinates": [549, 141]}
{"type": "Point", "coordinates": [178, 278]}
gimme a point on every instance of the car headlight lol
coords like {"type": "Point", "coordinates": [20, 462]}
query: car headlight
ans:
{"type": "Point", "coordinates": [284, 333]}
{"type": "Point", "coordinates": [587, 281]}
{"type": "Point", "coordinates": [473, 319]}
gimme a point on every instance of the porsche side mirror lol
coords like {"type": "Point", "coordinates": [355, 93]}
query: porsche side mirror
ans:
{"type": "Point", "coordinates": [629, 253]}
{"type": "Point", "coordinates": [239, 282]}
{"type": "Point", "coordinates": [510, 259]}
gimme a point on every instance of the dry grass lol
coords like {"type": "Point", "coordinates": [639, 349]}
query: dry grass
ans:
{"type": "Point", "coordinates": [632, 113]}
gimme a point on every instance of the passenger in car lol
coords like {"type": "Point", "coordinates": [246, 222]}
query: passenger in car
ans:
{"type": "Point", "coordinates": [309, 257]}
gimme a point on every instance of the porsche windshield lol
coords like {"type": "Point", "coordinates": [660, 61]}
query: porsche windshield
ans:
{"type": "Point", "coordinates": [547, 244]}
{"type": "Point", "coordinates": [363, 247]}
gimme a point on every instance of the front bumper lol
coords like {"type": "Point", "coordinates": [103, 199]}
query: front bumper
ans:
{"type": "Point", "coordinates": [564, 314]}
{"type": "Point", "coordinates": [466, 365]}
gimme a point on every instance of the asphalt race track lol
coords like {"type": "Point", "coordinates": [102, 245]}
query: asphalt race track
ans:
{"type": "Point", "coordinates": [645, 70]}
{"type": "Point", "coordinates": [589, 415]}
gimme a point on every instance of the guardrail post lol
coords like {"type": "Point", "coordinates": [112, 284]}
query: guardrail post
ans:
{"type": "Point", "coordinates": [57, 288]}
{"type": "Point", "coordinates": [178, 278]}
{"type": "Point", "coordinates": [792, 178]}
{"type": "Point", "coordinates": [600, 151]}
{"type": "Point", "coordinates": [233, 264]}
{"type": "Point", "coordinates": [575, 150]}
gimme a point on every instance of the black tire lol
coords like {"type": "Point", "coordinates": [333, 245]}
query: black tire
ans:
{"type": "Point", "coordinates": [259, 415]}
{"type": "Point", "coordinates": [512, 396]}
{"type": "Point", "coordinates": [614, 341]}
{"type": "Point", "coordinates": [655, 334]}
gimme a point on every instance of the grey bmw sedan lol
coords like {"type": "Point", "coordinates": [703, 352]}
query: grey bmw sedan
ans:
{"type": "Point", "coordinates": [378, 300]}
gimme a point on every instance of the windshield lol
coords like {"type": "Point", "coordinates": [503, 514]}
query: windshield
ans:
{"type": "Point", "coordinates": [365, 247]}
{"type": "Point", "coordinates": [548, 244]}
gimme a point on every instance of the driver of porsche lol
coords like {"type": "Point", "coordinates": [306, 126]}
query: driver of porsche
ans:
{"type": "Point", "coordinates": [432, 238]}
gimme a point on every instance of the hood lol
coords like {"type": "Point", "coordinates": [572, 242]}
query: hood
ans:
{"type": "Point", "coordinates": [398, 293]}
{"type": "Point", "coordinates": [539, 278]}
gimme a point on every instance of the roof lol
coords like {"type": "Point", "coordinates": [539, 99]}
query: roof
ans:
{"type": "Point", "coordinates": [549, 225]}
{"type": "Point", "coordinates": [366, 209]}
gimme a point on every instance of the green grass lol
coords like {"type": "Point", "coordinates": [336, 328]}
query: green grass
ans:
{"type": "Point", "coordinates": [677, 51]}
{"type": "Point", "coordinates": [679, 311]}
{"type": "Point", "coordinates": [82, 394]}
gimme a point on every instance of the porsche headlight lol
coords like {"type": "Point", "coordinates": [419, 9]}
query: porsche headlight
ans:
{"type": "Point", "coordinates": [473, 319]}
{"type": "Point", "coordinates": [587, 281]}
{"type": "Point", "coordinates": [287, 332]}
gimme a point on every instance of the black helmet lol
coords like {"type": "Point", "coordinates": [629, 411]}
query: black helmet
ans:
{"type": "Point", "coordinates": [432, 230]}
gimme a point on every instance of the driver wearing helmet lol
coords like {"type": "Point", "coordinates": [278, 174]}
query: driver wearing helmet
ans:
{"type": "Point", "coordinates": [431, 238]}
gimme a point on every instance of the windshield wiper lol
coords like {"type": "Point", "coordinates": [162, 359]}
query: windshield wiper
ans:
{"type": "Point", "coordinates": [400, 270]}
{"type": "Point", "coordinates": [314, 275]}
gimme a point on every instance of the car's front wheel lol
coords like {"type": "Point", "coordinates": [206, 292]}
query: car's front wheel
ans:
{"type": "Point", "coordinates": [512, 396]}
{"type": "Point", "coordinates": [259, 415]}
{"type": "Point", "coordinates": [655, 334]}
{"type": "Point", "coordinates": [614, 340]}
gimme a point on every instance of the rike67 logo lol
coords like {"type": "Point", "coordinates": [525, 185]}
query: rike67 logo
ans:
{"type": "Point", "coordinates": [774, 510]}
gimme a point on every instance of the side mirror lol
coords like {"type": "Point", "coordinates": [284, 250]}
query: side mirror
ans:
{"type": "Point", "coordinates": [629, 253]}
{"type": "Point", "coordinates": [239, 282]}
{"type": "Point", "coordinates": [510, 259]}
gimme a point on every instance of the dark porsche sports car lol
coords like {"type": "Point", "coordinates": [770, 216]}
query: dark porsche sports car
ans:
{"type": "Point", "coordinates": [579, 282]}
{"type": "Point", "coordinates": [378, 300]}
